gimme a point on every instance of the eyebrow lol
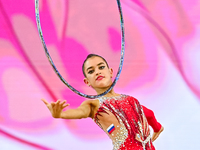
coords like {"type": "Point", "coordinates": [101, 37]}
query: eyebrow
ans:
{"type": "Point", "coordinates": [92, 66]}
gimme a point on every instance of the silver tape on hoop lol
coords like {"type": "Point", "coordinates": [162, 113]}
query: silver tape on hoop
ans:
{"type": "Point", "coordinates": [54, 67]}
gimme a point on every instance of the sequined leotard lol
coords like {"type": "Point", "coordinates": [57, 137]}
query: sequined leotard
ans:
{"type": "Point", "coordinates": [127, 116]}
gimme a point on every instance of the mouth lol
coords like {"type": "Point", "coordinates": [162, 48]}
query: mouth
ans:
{"type": "Point", "coordinates": [99, 78]}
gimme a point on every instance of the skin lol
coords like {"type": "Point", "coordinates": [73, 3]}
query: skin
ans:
{"type": "Point", "coordinates": [156, 134]}
{"type": "Point", "coordinates": [99, 77]}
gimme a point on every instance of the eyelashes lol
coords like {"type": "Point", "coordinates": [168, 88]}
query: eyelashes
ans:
{"type": "Point", "coordinates": [101, 67]}
{"type": "Point", "coordinates": [92, 70]}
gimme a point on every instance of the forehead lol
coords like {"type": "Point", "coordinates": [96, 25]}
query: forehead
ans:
{"type": "Point", "coordinates": [93, 61]}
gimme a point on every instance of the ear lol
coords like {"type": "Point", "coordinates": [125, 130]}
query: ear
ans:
{"type": "Point", "coordinates": [111, 72]}
{"type": "Point", "coordinates": [86, 81]}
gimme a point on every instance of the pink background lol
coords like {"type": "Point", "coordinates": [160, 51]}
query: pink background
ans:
{"type": "Point", "coordinates": [161, 68]}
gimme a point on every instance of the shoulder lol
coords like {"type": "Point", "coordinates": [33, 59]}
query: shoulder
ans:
{"type": "Point", "coordinates": [131, 98]}
{"type": "Point", "coordinates": [90, 102]}
{"type": "Point", "coordinates": [127, 96]}
{"type": "Point", "coordinates": [92, 105]}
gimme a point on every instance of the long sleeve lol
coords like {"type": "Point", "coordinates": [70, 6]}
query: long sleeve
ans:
{"type": "Point", "coordinates": [151, 119]}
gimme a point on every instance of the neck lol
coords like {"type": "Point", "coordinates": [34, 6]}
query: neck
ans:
{"type": "Point", "coordinates": [109, 94]}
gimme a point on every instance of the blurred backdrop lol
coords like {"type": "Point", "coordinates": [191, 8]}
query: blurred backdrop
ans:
{"type": "Point", "coordinates": [161, 68]}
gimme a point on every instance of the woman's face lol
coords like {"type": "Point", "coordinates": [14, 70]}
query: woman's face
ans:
{"type": "Point", "coordinates": [98, 75]}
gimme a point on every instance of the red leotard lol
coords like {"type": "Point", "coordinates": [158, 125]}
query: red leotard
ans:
{"type": "Point", "coordinates": [151, 119]}
{"type": "Point", "coordinates": [131, 122]}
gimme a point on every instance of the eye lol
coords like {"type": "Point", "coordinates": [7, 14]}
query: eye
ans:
{"type": "Point", "coordinates": [90, 71]}
{"type": "Point", "coordinates": [101, 67]}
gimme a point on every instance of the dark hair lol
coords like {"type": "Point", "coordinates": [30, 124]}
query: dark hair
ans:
{"type": "Point", "coordinates": [90, 56]}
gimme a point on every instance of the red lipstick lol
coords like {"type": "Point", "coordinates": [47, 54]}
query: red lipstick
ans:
{"type": "Point", "coordinates": [99, 77]}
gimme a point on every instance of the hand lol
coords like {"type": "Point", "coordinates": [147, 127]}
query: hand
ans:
{"type": "Point", "coordinates": [156, 134]}
{"type": "Point", "coordinates": [56, 108]}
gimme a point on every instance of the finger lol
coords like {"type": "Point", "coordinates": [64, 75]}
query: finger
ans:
{"type": "Point", "coordinates": [63, 102]}
{"type": "Point", "coordinates": [57, 104]}
{"type": "Point", "coordinates": [53, 104]}
{"type": "Point", "coordinates": [65, 105]}
{"type": "Point", "coordinates": [46, 103]}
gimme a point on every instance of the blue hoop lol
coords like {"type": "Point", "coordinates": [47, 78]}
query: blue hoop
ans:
{"type": "Point", "coordinates": [57, 72]}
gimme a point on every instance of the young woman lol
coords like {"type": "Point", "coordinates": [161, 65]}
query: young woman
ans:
{"type": "Point", "coordinates": [122, 118]}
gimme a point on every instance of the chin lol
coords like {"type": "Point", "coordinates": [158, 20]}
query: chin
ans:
{"type": "Point", "coordinates": [104, 86]}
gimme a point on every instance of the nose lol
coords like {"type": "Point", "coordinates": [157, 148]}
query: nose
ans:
{"type": "Point", "coordinates": [98, 72]}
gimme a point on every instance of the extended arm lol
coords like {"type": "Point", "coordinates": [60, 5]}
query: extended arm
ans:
{"type": "Point", "coordinates": [83, 111]}
{"type": "Point", "coordinates": [157, 127]}
{"type": "Point", "coordinates": [56, 109]}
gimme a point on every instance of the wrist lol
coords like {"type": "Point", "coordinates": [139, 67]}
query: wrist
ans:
{"type": "Point", "coordinates": [62, 115]}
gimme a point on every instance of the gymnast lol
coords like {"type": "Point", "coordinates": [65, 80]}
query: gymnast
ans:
{"type": "Point", "coordinates": [120, 116]}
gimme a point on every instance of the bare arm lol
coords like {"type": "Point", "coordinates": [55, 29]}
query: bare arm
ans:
{"type": "Point", "coordinates": [83, 111]}
{"type": "Point", "coordinates": [56, 109]}
{"type": "Point", "coordinates": [156, 134]}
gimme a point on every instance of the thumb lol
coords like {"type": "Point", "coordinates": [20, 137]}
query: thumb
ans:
{"type": "Point", "coordinates": [45, 102]}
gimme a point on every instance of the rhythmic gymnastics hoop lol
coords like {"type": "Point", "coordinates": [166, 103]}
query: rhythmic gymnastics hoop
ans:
{"type": "Point", "coordinates": [54, 67]}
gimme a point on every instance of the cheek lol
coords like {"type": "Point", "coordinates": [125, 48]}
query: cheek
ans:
{"type": "Point", "coordinates": [108, 74]}
{"type": "Point", "coordinates": [90, 78]}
